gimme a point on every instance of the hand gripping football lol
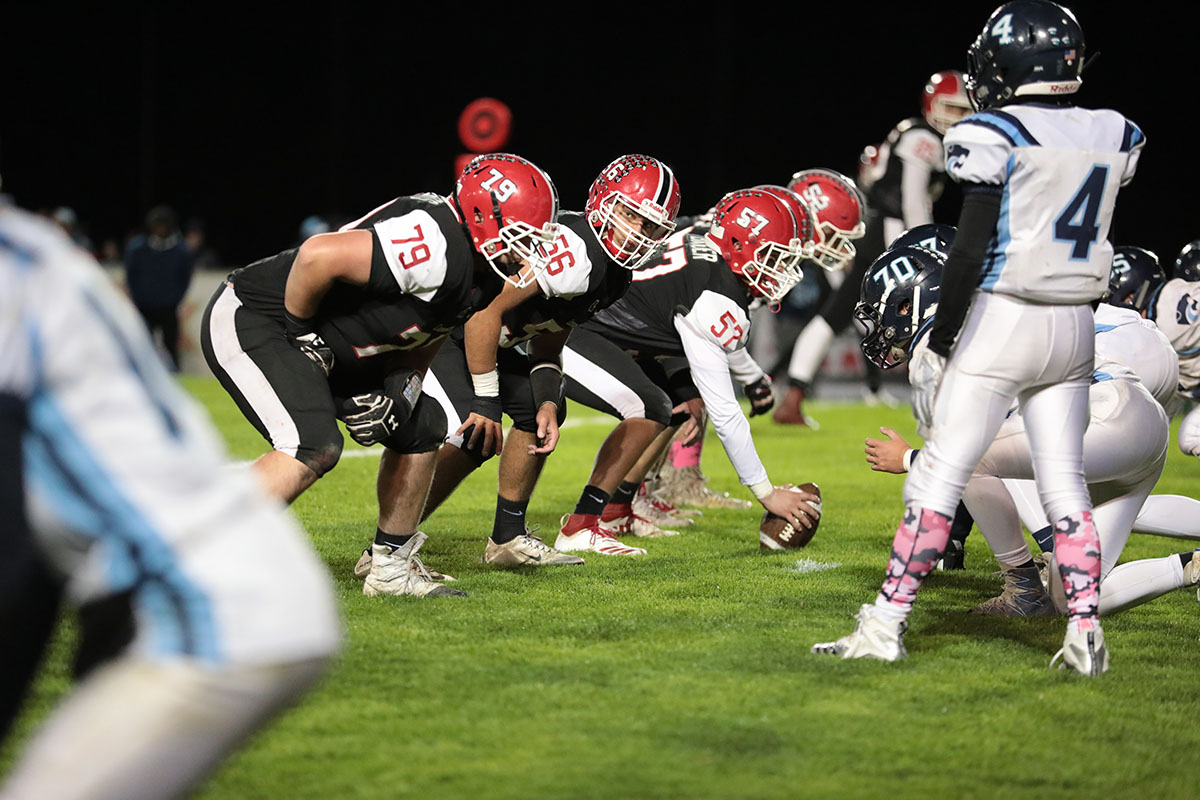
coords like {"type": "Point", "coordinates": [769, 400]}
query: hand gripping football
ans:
{"type": "Point", "coordinates": [776, 533]}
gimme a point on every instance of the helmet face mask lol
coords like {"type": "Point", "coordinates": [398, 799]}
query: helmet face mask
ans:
{"type": "Point", "coordinates": [510, 209]}
{"type": "Point", "coordinates": [631, 208]}
{"type": "Point", "coordinates": [900, 294]}
{"type": "Point", "coordinates": [1026, 48]}
{"type": "Point", "coordinates": [837, 207]}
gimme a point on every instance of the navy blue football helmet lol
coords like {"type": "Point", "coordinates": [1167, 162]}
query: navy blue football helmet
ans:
{"type": "Point", "coordinates": [932, 236]}
{"type": "Point", "coordinates": [1187, 265]}
{"type": "Point", "coordinates": [899, 298]}
{"type": "Point", "coordinates": [1135, 276]}
{"type": "Point", "coordinates": [1028, 47]}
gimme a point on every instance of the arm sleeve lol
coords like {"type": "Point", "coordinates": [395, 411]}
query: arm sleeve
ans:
{"type": "Point", "coordinates": [976, 225]}
{"type": "Point", "coordinates": [710, 371]}
{"type": "Point", "coordinates": [744, 368]}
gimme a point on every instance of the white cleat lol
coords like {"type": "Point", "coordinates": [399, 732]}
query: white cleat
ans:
{"type": "Point", "coordinates": [595, 539]}
{"type": "Point", "coordinates": [526, 550]}
{"type": "Point", "coordinates": [1083, 649]}
{"type": "Point", "coordinates": [363, 568]}
{"type": "Point", "coordinates": [398, 571]}
{"type": "Point", "coordinates": [689, 487]}
{"type": "Point", "coordinates": [875, 636]}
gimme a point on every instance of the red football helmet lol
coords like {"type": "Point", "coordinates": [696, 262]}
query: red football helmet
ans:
{"type": "Point", "coordinates": [509, 206]}
{"type": "Point", "coordinates": [839, 207]}
{"type": "Point", "coordinates": [632, 207]}
{"type": "Point", "coordinates": [945, 100]}
{"type": "Point", "coordinates": [757, 234]}
{"type": "Point", "coordinates": [806, 221]}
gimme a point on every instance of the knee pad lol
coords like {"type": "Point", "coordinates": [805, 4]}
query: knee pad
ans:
{"type": "Point", "coordinates": [425, 430]}
{"type": "Point", "coordinates": [1189, 433]}
{"type": "Point", "coordinates": [322, 457]}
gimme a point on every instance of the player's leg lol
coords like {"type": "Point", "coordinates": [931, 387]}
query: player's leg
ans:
{"type": "Point", "coordinates": [405, 474]}
{"type": "Point", "coordinates": [601, 375]}
{"type": "Point", "coordinates": [283, 394]}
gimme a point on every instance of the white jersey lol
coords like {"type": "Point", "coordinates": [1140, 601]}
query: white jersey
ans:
{"type": "Point", "coordinates": [1059, 170]}
{"type": "Point", "coordinates": [1123, 337]}
{"type": "Point", "coordinates": [127, 486]}
{"type": "Point", "coordinates": [1176, 312]}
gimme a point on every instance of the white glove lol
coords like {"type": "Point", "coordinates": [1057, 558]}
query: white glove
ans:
{"type": "Point", "coordinates": [925, 371]}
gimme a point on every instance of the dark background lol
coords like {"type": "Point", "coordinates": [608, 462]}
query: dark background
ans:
{"type": "Point", "coordinates": [253, 121]}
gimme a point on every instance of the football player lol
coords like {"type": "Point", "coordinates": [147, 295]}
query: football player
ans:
{"type": "Point", "coordinates": [345, 326]}
{"type": "Point", "coordinates": [1124, 451]}
{"type": "Point", "coordinates": [186, 646]}
{"type": "Point", "coordinates": [1020, 286]}
{"type": "Point", "coordinates": [1174, 306]}
{"type": "Point", "coordinates": [630, 210]}
{"type": "Point", "coordinates": [910, 169]}
{"type": "Point", "coordinates": [692, 300]}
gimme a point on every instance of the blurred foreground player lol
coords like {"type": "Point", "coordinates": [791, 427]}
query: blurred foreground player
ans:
{"type": "Point", "coordinates": [1055, 170]}
{"type": "Point", "coordinates": [187, 645]}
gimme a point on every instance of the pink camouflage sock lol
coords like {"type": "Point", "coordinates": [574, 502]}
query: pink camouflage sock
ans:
{"type": "Point", "coordinates": [1077, 550]}
{"type": "Point", "coordinates": [685, 456]}
{"type": "Point", "coordinates": [915, 551]}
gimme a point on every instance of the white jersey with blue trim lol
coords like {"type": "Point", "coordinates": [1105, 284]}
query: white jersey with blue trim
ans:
{"type": "Point", "coordinates": [1058, 170]}
{"type": "Point", "coordinates": [127, 485]}
{"type": "Point", "coordinates": [1175, 309]}
{"type": "Point", "coordinates": [1123, 337]}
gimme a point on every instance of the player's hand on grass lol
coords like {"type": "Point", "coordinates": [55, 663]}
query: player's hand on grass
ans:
{"type": "Point", "coordinates": [792, 505]}
{"type": "Point", "coordinates": [547, 430]}
{"type": "Point", "coordinates": [887, 455]}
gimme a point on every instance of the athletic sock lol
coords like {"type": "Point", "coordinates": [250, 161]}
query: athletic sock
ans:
{"type": "Point", "coordinates": [391, 539]}
{"type": "Point", "coordinates": [1077, 549]}
{"type": "Point", "coordinates": [592, 501]}
{"type": "Point", "coordinates": [685, 456]}
{"type": "Point", "coordinates": [510, 519]}
{"type": "Point", "coordinates": [918, 545]}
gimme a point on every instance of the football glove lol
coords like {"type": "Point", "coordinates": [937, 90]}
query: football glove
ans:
{"type": "Point", "coordinates": [374, 420]}
{"type": "Point", "coordinates": [300, 333]}
{"type": "Point", "coordinates": [762, 399]}
{"type": "Point", "coordinates": [925, 370]}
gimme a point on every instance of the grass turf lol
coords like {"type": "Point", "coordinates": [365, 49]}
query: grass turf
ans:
{"type": "Point", "coordinates": [687, 673]}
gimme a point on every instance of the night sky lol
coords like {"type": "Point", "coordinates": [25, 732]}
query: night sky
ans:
{"type": "Point", "coordinates": [253, 123]}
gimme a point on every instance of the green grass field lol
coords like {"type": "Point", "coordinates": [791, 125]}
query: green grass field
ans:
{"type": "Point", "coordinates": [687, 673]}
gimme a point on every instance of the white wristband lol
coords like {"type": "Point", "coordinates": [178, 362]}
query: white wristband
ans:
{"type": "Point", "coordinates": [487, 384]}
{"type": "Point", "coordinates": [762, 489]}
{"type": "Point", "coordinates": [907, 459]}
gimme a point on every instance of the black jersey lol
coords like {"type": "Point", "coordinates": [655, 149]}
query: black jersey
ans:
{"type": "Point", "coordinates": [606, 282]}
{"type": "Point", "coordinates": [423, 283]}
{"type": "Point", "coordinates": [916, 142]}
{"type": "Point", "coordinates": [688, 279]}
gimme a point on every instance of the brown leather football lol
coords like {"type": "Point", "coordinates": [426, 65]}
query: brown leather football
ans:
{"type": "Point", "coordinates": [776, 533]}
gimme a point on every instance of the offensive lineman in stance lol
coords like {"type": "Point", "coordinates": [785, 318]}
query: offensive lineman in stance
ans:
{"type": "Point", "coordinates": [692, 300]}
{"type": "Point", "coordinates": [1054, 170]}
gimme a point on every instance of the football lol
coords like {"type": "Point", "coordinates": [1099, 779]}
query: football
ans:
{"type": "Point", "coordinates": [776, 533]}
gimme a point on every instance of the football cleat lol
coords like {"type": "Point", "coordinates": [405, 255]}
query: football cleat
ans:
{"type": "Point", "coordinates": [634, 523]}
{"type": "Point", "coordinates": [1191, 572]}
{"type": "Point", "coordinates": [657, 512]}
{"type": "Point", "coordinates": [875, 636]}
{"type": "Point", "coordinates": [1023, 595]}
{"type": "Point", "coordinates": [689, 487]}
{"type": "Point", "coordinates": [526, 550]}
{"type": "Point", "coordinates": [363, 568]}
{"type": "Point", "coordinates": [1083, 648]}
{"type": "Point", "coordinates": [398, 571]}
{"type": "Point", "coordinates": [791, 410]}
{"type": "Point", "coordinates": [594, 538]}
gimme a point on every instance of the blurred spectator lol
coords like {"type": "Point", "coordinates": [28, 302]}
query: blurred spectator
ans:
{"type": "Point", "coordinates": [203, 253]}
{"type": "Point", "coordinates": [66, 218]}
{"type": "Point", "coordinates": [158, 269]}
{"type": "Point", "coordinates": [311, 226]}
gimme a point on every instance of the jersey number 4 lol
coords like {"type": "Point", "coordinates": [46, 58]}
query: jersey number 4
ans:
{"type": "Point", "coordinates": [1076, 223]}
